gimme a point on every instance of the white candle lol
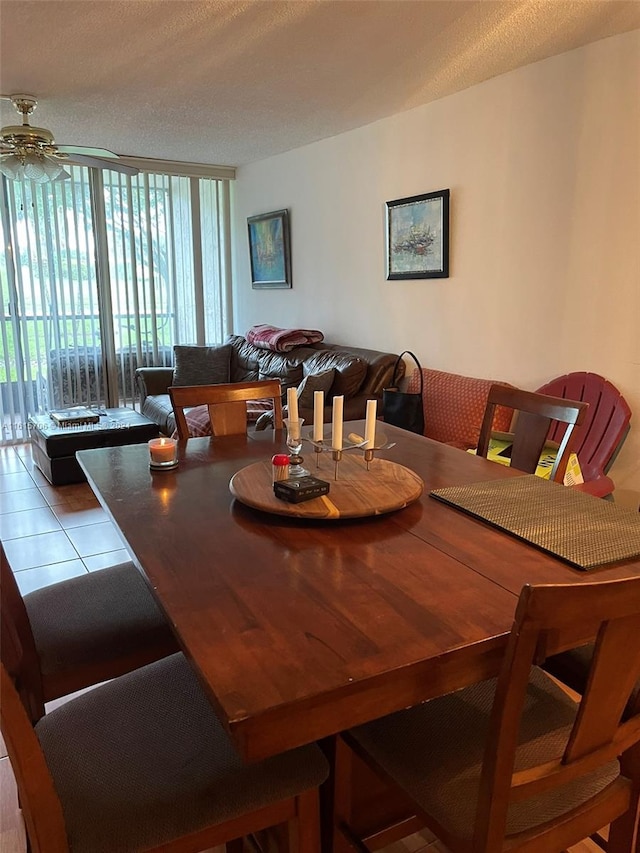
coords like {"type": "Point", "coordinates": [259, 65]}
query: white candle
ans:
{"type": "Point", "coordinates": [292, 403]}
{"type": "Point", "coordinates": [336, 434]}
{"type": "Point", "coordinates": [370, 425]}
{"type": "Point", "coordinates": [318, 415]}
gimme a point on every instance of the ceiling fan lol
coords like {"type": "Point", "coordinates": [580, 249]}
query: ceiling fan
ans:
{"type": "Point", "coordinates": [31, 153]}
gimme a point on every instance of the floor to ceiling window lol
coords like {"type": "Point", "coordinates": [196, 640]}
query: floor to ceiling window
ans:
{"type": "Point", "coordinates": [101, 274]}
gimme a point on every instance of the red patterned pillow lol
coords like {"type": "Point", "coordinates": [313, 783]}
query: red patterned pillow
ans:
{"type": "Point", "coordinates": [197, 421]}
{"type": "Point", "coordinates": [255, 408]}
{"type": "Point", "coordinates": [454, 407]}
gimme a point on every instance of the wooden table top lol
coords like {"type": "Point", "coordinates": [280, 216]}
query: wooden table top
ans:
{"type": "Point", "coordinates": [301, 628]}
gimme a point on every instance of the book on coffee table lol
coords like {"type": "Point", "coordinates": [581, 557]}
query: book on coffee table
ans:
{"type": "Point", "coordinates": [75, 416]}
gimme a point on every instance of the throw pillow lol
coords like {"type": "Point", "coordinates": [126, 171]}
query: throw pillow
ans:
{"type": "Point", "coordinates": [350, 370]}
{"type": "Point", "coordinates": [314, 382]}
{"type": "Point", "coordinates": [201, 365]}
{"type": "Point", "coordinates": [198, 422]}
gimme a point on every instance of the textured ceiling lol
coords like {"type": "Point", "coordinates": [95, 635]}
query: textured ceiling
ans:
{"type": "Point", "coordinates": [229, 82]}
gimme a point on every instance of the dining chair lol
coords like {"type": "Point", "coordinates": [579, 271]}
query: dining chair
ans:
{"type": "Point", "coordinates": [226, 404]}
{"type": "Point", "coordinates": [572, 667]}
{"type": "Point", "coordinates": [598, 439]}
{"type": "Point", "coordinates": [514, 763]}
{"type": "Point", "coordinates": [143, 763]}
{"type": "Point", "coordinates": [534, 414]}
{"type": "Point", "coordinates": [84, 630]}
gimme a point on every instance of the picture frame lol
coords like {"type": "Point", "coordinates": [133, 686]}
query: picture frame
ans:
{"type": "Point", "coordinates": [270, 250]}
{"type": "Point", "coordinates": [418, 236]}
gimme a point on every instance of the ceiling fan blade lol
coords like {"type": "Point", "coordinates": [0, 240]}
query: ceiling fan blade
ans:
{"type": "Point", "coordinates": [98, 163]}
{"type": "Point", "coordinates": [89, 152]}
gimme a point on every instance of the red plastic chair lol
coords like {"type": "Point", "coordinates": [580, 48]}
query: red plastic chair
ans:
{"type": "Point", "coordinates": [601, 435]}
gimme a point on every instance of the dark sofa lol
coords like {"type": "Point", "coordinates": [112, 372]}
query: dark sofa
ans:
{"type": "Point", "coordinates": [360, 375]}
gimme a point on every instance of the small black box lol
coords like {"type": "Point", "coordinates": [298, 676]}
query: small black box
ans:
{"type": "Point", "coordinates": [298, 489]}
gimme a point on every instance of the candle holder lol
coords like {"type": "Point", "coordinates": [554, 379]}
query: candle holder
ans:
{"type": "Point", "coordinates": [324, 445]}
{"type": "Point", "coordinates": [355, 442]}
{"type": "Point", "coordinates": [163, 454]}
{"type": "Point", "coordinates": [381, 443]}
{"type": "Point", "coordinates": [294, 443]}
{"type": "Point", "coordinates": [336, 455]}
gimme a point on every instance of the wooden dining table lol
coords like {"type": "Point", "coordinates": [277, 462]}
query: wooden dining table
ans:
{"type": "Point", "coordinates": [300, 628]}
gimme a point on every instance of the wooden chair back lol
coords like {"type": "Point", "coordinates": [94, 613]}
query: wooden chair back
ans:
{"type": "Point", "coordinates": [226, 404]}
{"type": "Point", "coordinates": [597, 736]}
{"type": "Point", "coordinates": [19, 652]}
{"type": "Point", "coordinates": [530, 428]}
{"type": "Point", "coordinates": [39, 803]}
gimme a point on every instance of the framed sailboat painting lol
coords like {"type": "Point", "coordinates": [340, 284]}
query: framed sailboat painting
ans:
{"type": "Point", "coordinates": [270, 249]}
{"type": "Point", "coordinates": [418, 236]}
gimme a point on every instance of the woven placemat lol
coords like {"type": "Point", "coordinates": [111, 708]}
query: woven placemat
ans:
{"type": "Point", "coordinates": [584, 531]}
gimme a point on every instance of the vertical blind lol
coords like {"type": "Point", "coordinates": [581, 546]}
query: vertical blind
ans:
{"type": "Point", "coordinates": [101, 274]}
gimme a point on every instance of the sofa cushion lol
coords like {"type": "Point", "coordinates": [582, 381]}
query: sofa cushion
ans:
{"type": "Point", "coordinates": [287, 369]}
{"type": "Point", "coordinates": [245, 360]}
{"type": "Point", "coordinates": [201, 365]}
{"type": "Point", "coordinates": [314, 382]}
{"type": "Point", "coordinates": [350, 370]}
{"type": "Point", "coordinates": [454, 407]}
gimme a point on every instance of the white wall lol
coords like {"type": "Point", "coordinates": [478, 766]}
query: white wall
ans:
{"type": "Point", "coordinates": [543, 167]}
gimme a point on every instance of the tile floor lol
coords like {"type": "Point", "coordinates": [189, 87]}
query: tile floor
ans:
{"type": "Point", "coordinates": [52, 533]}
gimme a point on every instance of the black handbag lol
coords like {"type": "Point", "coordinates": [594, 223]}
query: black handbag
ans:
{"type": "Point", "coordinates": [400, 408]}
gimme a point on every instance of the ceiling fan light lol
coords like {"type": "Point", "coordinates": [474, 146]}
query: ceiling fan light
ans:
{"type": "Point", "coordinates": [62, 175]}
{"type": "Point", "coordinates": [34, 169]}
{"type": "Point", "coordinates": [53, 169]}
{"type": "Point", "coordinates": [32, 166]}
{"type": "Point", "coordinates": [11, 167]}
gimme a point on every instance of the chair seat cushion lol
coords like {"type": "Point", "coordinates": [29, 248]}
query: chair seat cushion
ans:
{"type": "Point", "coordinates": [143, 760]}
{"type": "Point", "coordinates": [435, 752]}
{"type": "Point", "coordinates": [94, 617]}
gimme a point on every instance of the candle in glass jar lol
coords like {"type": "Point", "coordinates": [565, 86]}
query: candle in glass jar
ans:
{"type": "Point", "coordinates": [370, 424]}
{"type": "Point", "coordinates": [336, 434]}
{"type": "Point", "coordinates": [292, 404]}
{"type": "Point", "coordinates": [318, 415]}
{"type": "Point", "coordinates": [162, 450]}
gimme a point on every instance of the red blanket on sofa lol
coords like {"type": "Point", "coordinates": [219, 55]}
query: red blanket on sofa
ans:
{"type": "Point", "coordinates": [282, 340]}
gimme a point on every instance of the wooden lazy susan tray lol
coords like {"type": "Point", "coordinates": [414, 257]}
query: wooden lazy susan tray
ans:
{"type": "Point", "coordinates": [385, 487]}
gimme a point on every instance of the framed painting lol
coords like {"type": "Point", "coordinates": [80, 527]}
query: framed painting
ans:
{"type": "Point", "coordinates": [418, 236]}
{"type": "Point", "coordinates": [270, 249]}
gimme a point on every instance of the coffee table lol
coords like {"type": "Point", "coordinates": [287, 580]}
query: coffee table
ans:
{"type": "Point", "coordinates": [54, 447]}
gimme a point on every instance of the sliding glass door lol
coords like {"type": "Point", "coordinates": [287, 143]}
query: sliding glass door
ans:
{"type": "Point", "coordinates": [102, 274]}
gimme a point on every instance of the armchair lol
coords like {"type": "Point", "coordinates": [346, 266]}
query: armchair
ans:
{"type": "Point", "coordinates": [598, 439]}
